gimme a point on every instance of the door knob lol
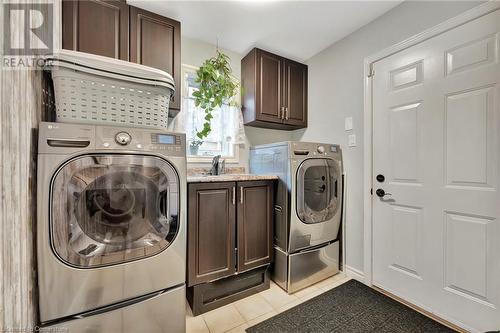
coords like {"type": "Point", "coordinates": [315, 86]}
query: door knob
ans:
{"type": "Point", "coordinates": [380, 178]}
{"type": "Point", "coordinates": [381, 193]}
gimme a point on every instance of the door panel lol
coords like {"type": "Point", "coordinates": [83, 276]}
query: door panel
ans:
{"type": "Point", "coordinates": [155, 42]}
{"type": "Point", "coordinates": [405, 133]}
{"type": "Point", "coordinates": [462, 229]}
{"type": "Point", "coordinates": [405, 243]}
{"type": "Point", "coordinates": [97, 27]}
{"type": "Point", "coordinates": [471, 54]}
{"type": "Point", "coordinates": [436, 122]}
{"type": "Point", "coordinates": [295, 88]}
{"type": "Point", "coordinates": [470, 112]}
{"type": "Point", "coordinates": [255, 224]}
{"type": "Point", "coordinates": [269, 86]}
{"type": "Point", "coordinates": [211, 231]}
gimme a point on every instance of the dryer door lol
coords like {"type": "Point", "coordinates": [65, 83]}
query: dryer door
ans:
{"type": "Point", "coordinates": [319, 190]}
{"type": "Point", "coordinates": [110, 209]}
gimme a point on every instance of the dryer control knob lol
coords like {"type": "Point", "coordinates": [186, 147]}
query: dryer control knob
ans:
{"type": "Point", "coordinates": [123, 138]}
{"type": "Point", "coordinates": [321, 149]}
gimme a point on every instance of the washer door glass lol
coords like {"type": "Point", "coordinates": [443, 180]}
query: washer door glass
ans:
{"type": "Point", "coordinates": [109, 209]}
{"type": "Point", "coordinates": [318, 190]}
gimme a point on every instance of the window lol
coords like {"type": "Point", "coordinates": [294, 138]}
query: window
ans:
{"type": "Point", "coordinates": [227, 128]}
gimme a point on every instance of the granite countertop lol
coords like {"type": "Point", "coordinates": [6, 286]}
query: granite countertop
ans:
{"type": "Point", "coordinates": [228, 177]}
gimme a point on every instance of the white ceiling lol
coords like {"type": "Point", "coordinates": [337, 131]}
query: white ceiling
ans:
{"type": "Point", "coordinates": [295, 29]}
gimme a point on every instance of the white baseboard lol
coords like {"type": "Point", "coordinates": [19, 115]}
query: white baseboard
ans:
{"type": "Point", "coordinates": [355, 274]}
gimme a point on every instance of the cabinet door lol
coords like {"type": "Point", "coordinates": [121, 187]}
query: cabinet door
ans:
{"type": "Point", "coordinates": [211, 231]}
{"type": "Point", "coordinates": [295, 93]}
{"type": "Point", "coordinates": [96, 26]}
{"type": "Point", "coordinates": [155, 41]}
{"type": "Point", "coordinates": [255, 224]}
{"type": "Point", "coordinates": [269, 90]}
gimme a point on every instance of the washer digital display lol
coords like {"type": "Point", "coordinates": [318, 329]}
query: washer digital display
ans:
{"type": "Point", "coordinates": [166, 139]}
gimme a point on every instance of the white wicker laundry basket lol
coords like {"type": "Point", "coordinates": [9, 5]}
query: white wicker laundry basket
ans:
{"type": "Point", "coordinates": [96, 89]}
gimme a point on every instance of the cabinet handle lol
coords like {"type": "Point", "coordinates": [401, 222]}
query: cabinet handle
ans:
{"type": "Point", "coordinates": [234, 195]}
{"type": "Point", "coordinates": [241, 195]}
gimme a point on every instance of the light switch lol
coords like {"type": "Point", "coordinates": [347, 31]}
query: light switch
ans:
{"type": "Point", "coordinates": [348, 123]}
{"type": "Point", "coordinates": [351, 140]}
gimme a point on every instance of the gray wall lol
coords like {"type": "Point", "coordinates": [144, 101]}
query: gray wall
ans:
{"type": "Point", "coordinates": [336, 92]}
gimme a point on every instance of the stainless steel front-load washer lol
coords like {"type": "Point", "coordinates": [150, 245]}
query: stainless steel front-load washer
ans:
{"type": "Point", "coordinates": [111, 233]}
{"type": "Point", "coordinates": [308, 211]}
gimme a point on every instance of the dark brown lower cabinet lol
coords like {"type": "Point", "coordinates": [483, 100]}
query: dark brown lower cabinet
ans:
{"type": "Point", "coordinates": [255, 224]}
{"type": "Point", "coordinates": [211, 232]}
{"type": "Point", "coordinates": [230, 234]}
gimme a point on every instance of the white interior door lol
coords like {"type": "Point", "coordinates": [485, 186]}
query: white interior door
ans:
{"type": "Point", "coordinates": [436, 140]}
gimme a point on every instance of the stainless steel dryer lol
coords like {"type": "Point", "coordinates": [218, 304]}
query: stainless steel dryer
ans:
{"type": "Point", "coordinates": [111, 234]}
{"type": "Point", "coordinates": [308, 209]}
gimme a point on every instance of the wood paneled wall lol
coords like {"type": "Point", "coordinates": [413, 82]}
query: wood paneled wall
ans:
{"type": "Point", "coordinates": [19, 118]}
{"type": "Point", "coordinates": [20, 113]}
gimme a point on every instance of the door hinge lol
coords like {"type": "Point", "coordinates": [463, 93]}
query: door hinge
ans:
{"type": "Point", "coordinates": [371, 72]}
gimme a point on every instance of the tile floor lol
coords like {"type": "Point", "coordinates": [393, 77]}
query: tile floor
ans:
{"type": "Point", "coordinates": [237, 316]}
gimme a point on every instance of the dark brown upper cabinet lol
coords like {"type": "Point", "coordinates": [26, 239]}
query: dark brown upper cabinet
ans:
{"type": "Point", "coordinates": [114, 29]}
{"type": "Point", "coordinates": [255, 224]}
{"type": "Point", "coordinates": [230, 228]}
{"type": "Point", "coordinates": [269, 78]}
{"type": "Point", "coordinates": [97, 27]}
{"type": "Point", "coordinates": [155, 41]}
{"type": "Point", "coordinates": [274, 91]}
{"type": "Point", "coordinates": [295, 93]}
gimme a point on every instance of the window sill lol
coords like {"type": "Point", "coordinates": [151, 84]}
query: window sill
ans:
{"type": "Point", "coordinates": [208, 159]}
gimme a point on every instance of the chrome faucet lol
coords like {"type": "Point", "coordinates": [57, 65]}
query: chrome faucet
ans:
{"type": "Point", "coordinates": [214, 171]}
{"type": "Point", "coordinates": [222, 167]}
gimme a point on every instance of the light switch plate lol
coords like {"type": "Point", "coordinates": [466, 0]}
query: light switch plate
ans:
{"type": "Point", "coordinates": [348, 123]}
{"type": "Point", "coordinates": [351, 140]}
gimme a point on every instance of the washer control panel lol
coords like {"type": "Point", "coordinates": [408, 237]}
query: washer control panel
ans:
{"type": "Point", "coordinates": [312, 149]}
{"type": "Point", "coordinates": [141, 139]}
{"type": "Point", "coordinates": [69, 138]}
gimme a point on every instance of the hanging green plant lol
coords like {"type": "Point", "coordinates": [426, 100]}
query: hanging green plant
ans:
{"type": "Point", "coordinates": [216, 87]}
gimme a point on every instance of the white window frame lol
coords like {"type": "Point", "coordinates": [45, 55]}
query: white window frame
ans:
{"type": "Point", "coordinates": [205, 159]}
